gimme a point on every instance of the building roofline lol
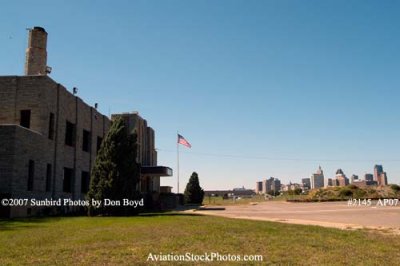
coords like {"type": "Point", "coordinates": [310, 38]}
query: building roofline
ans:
{"type": "Point", "coordinates": [55, 83]}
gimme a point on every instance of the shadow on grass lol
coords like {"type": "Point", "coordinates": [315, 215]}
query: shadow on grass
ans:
{"type": "Point", "coordinates": [179, 211]}
{"type": "Point", "coordinates": [23, 223]}
{"type": "Point", "coordinates": [168, 213]}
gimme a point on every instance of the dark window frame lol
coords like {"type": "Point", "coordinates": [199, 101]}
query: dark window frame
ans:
{"type": "Point", "coordinates": [51, 125]}
{"type": "Point", "coordinates": [70, 129]}
{"type": "Point", "coordinates": [85, 181]}
{"type": "Point", "coordinates": [68, 177]}
{"type": "Point", "coordinates": [25, 118]}
{"type": "Point", "coordinates": [86, 140]}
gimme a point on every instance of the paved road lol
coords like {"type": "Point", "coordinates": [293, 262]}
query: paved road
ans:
{"type": "Point", "coordinates": [330, 214]}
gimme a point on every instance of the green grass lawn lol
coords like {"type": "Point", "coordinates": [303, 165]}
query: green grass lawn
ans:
{"type": "Point", "coordinates": [129, 240]}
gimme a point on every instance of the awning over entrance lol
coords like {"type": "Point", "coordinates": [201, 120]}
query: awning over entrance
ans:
{"type": "Point", "coordinates": [156, 171]}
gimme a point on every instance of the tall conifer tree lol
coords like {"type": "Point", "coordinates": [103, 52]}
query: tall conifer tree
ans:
{"type": "Point", "coordinates": [194, 193]}
{"type": "Point", "coordinates": [115, 173]}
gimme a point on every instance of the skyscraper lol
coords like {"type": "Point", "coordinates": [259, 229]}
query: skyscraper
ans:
{"type": "Point", "coordinates": [271, 184]}
{"type": "Point", "coordinates": [369, 177]}
{"type": "Point", "coordinates": [378, 170]}
{"type": "Point", "coordinates": [382, 179]}
{"type": "Point", "coordinates": [276, 185]}
{"type": "Point", "coordinates": [317, 179]}
{"type": "Point", "coordinates": [354, 178]}
{"type": "Point", "coordinates": [380, 176]}
{"type": "Point", "coordinates": [369, 180]}
{"type": "Point", "coordinates": [306, 183]}
{"type": "Point", "coordinates": [341, 179]}
{"type": "Point", "coordinates": [259, 187]}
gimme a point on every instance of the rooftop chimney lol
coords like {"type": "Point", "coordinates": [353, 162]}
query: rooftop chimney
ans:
{"type": "Point", "coordinates": [36, 54]}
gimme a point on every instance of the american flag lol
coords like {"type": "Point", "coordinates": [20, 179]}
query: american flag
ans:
{"type": "Point", "coordinates": [183, 141]}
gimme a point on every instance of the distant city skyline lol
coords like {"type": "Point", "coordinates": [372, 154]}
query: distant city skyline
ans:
{"type": "Point", "coordinates": [320, 171]}
{"type": "Point", "coordinates": [258, 88]}
{"type": "Point", "coordinates": [318, 180]}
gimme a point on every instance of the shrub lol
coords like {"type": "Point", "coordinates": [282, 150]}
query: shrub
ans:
{"type": "Point", "coordinates": [345, 192]}
{"type": "Point", "coordinates": [352, 186]}
{"type": "Point", "coordinates": [194, 194]}
{"type": "Point", "coordinates": [395, 188]}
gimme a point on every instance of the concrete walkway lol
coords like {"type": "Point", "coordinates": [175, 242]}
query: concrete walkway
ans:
{"type": "Point", "coordinates": [329, 214]}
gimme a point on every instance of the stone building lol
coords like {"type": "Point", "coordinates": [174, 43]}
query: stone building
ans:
{"type": "Point", "coordinates": [146, 154]}
{"type": "Point", "coordinates": [49, 137]}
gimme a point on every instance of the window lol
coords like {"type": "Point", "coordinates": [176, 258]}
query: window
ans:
{"type": "Point", "coordinates": [25, 119]}
{"type": "Point", "coordinates": [99, 141]}
{"type": "Point", "coordinates": [86, 141]}
{"type": "Point", "coordinates": [85, 179]}
{"type": "Point", "coordinates": [67, 181]}
{"type": "Point", "coordinates": [69, 134]}
{"type": "Point", "coordinates": [31, 175]}
{"type": "Point", "coordinates": [48, 177]}
{"type": "Point", "coordinates": [51, 126]}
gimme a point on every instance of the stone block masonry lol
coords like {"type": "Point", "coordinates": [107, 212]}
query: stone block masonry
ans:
{"type": "Point", "coordinates": [48, 133]}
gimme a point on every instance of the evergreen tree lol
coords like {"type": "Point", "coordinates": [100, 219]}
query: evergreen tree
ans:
{"type": "Point", "coordinates": [194, 194]}
{"type": "Point", "coordinates": [115, 173]}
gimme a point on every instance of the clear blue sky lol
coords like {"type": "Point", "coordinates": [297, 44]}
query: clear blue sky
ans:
{"type": "Point", "coordinates": [280, 87]}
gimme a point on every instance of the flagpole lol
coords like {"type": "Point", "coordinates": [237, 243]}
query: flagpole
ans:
{"type": "Point", "coordinates": [177, 159]}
